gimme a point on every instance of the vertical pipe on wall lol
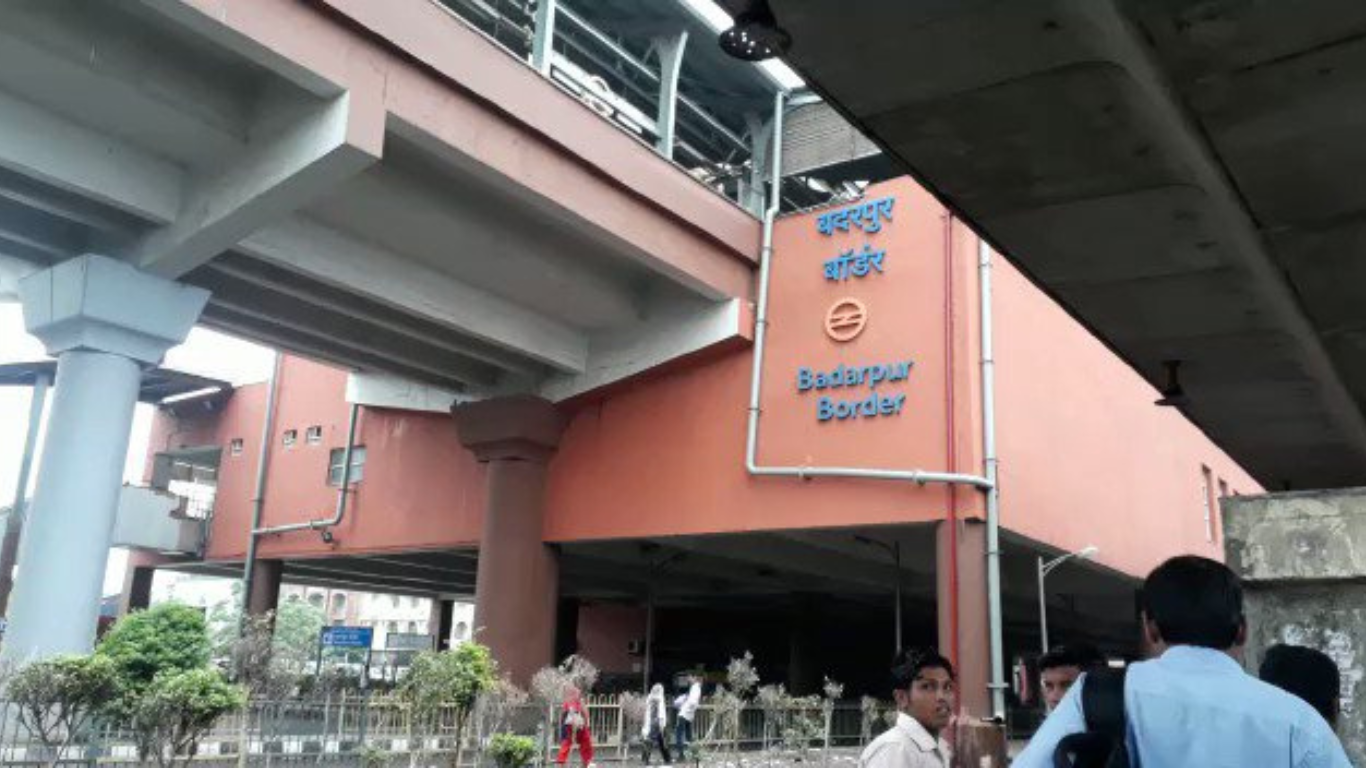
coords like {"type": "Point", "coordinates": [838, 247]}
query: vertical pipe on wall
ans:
{"type": "Point", "coordinates": [259, 495]}
{"type": "Point", "coordinates": [951, 452]}
{"type": "Point", "coordinates": [989, 461]}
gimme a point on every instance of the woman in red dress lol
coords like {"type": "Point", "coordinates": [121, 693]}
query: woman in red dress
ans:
{"type": "Point", "coordinates": [574, 729]}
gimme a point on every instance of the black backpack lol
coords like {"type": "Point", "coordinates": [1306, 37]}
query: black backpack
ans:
{"type": "Point", "coordinates": [1102, 744]}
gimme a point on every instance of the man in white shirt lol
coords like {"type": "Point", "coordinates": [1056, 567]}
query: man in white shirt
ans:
{"type": "Point", "coordinates": [923, 686]}
{"type": "Point", "coordinates": [687, 711]}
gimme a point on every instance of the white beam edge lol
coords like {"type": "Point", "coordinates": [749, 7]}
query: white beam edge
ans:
{"type": "Point", "coordinates": [671, 334]}
{"type": "Point", "coordinates": [310, 157]}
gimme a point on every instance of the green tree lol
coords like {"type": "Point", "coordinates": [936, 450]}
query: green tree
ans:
{"type": "Point", "coordinates": [294, 638]}
{"type": "Point", "coordinates": [165, 639]}
{"type": "Point", "coordinates": [56, 697]}
{"type": "Point", "coordinates": [449, 678]}
{"type": "Point", "coordinates": [454, 679]}
{"type": "Point", "coordinates": [177, 709]}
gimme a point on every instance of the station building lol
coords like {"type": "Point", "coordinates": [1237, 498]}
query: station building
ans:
{"type": "Point", "coordinates": [522, 264]}
{"type": "Point", "coordinates": [623, 523]}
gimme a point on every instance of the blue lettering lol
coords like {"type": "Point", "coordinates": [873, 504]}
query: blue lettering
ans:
{"type": "Point", "coordinates": [824, 409]}
{"type": "Point", "coordinates": [821, 382]}
{"type": "Point", "coordinates": [869, 407]}
{"type": "Point", "coordinates": [804, 381]}
{"type": "Point", "coordinates": [851, 376]}
{"type": "Point", "coordinates": [844, 409]}
{"type": "Point", "coordinates": [877, 374]}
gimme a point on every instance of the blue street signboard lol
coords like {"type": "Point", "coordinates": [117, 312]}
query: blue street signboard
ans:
{"type": "Point", "coordinates": [347, 637]}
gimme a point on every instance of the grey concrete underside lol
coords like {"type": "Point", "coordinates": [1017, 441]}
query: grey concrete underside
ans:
{"type": "Point", "coordinates": [1183, 176]}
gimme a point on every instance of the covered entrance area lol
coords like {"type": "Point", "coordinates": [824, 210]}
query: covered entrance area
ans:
{"type": "Point", "coordinates": [819, 603]}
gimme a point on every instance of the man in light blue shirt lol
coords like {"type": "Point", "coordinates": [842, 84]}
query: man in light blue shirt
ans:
{"type": "Point", "coordinates": [1194, 705]}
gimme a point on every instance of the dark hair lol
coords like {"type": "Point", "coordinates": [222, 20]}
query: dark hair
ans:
{"type": "Point", "coordinates": [909, 663]}
{"type": "Point", "coordinates": [1194, 601]}
{"type": "Point", "coordinates": [1083, 656]}
{"type": "Point", "coordinates": [1307, 673]}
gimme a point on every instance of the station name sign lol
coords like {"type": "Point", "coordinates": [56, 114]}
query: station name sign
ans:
{"type": "Point", "coordinates": [855, 377]}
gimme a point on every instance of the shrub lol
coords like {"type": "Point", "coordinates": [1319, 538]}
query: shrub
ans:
{"type": "Point", "coordinates": [511, 751]}
{"type": "Point", "coordinates": [56, 697]}
{"type": "Point", "coordinates": [371, 756]}
{"type": "Point", "coordinates": [166, 639]}
{"type": "Point", "coordinates": [177, 709]}
{"type": "Point", "coordinates": [455, 677]}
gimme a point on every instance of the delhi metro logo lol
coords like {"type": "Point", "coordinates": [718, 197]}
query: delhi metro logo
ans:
{"type": "Point", "coordinates": [845, 320]}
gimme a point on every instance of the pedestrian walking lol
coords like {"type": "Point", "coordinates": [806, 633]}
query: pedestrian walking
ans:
{"type": "Point", "coordinates": [687, 705]}
{"type": "Point", "coordinates": [574, 729]}
{"type": "Point", "coordinates": [656, 721]}
{"type": "Point", "coordinates": [924, 689]}
{"type": "Point", "coordinates": [1308, 674]}
{"type": "Point", "coordinates": [1191, 705]}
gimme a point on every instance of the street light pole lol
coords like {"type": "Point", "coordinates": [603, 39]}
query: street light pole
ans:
{"type": "Point", "coordinates": [1046, 568]}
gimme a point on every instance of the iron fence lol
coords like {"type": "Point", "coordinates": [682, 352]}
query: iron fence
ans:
{"type": "Point", "coordinates": [352, 730]}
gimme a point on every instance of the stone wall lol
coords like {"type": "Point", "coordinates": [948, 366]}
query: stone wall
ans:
{"type": "Point", "coordinates": [1302, 557]}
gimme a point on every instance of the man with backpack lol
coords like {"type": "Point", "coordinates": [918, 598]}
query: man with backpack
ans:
{"type": "Point", "coordinates": [1192, 704]}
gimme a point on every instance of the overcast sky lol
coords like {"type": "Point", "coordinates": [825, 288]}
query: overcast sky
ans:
{"type": "Point", "coordinates": [206, 353]}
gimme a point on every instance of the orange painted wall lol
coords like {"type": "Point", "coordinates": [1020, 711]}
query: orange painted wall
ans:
{"type": "Point", "coordinates": [420, 490]}
{"type": "Point", "coordinates": [1086, 458]}
{"type": "Point", "coordinates": [667, 457]}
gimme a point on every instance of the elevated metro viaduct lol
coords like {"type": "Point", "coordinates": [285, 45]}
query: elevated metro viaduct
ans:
{"type": "Point", "coordinates": [395, 194]}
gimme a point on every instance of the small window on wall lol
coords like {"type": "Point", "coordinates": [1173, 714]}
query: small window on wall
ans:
{"type": "Point", "coordinates": [291, 437]}
{"type": "Point", "coordinates": [313, 435]}
{"type": "Point", "coordinates": [1223, 489]}
{"type": "Point", "coordinates": [1207, 500]}
{"type": "Point", "coordinates": [235, 447]}
{"type": "Point", "coordinates": [334, 465]}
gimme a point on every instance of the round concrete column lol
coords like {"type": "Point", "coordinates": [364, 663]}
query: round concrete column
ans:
{"type": "Point", "coordinates": [103, 320]}
{"type": "Point", "coordinates": [517, 587]}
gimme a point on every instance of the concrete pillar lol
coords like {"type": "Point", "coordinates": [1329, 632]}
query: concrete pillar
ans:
{"type": "Point", "coordinates": [973, 661]}
{"type": "Point", "coordinates": [265, 587]}
{"type": "Point", "coordinates": [1304, 575]}
{"type": "Point", "coordinates": [104, 321]}
{"type": "Point", "coordinates": [137, 580]}
{"type": "Point", "coordinates": [517, 587]}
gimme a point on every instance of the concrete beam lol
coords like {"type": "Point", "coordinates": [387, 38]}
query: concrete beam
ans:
{"type": "Point", "coordinates": [273, 278]}
{"type": "Point", "coordinates": [357, 338]}
{"type": "Point", "coordinates": [674, 331]}
{"type": "Point", "coordinates": [44, 146]}
{"type": "Point", "coordinates": [335, 259]}
{"type": "Point", "coordinates": [274, 175]}
{"type": "Point", "coordinates": [324, 349]}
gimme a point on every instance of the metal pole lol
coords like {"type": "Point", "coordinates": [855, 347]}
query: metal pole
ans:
{"type": "Point", "coordinates": [259, 497]}
{"type": "Point", "coordinates": [14, 525]}
{"type": "Point", "coordinates": [989, 461]}
{"type": "Point", "coordinates": [896, 556]}
{"type": "Point", "coordinates": [649, 633]}
{"type": "Point", "coordinates": [543, 41]}
{"type": "Point", "coordinates": [1043, 609]}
